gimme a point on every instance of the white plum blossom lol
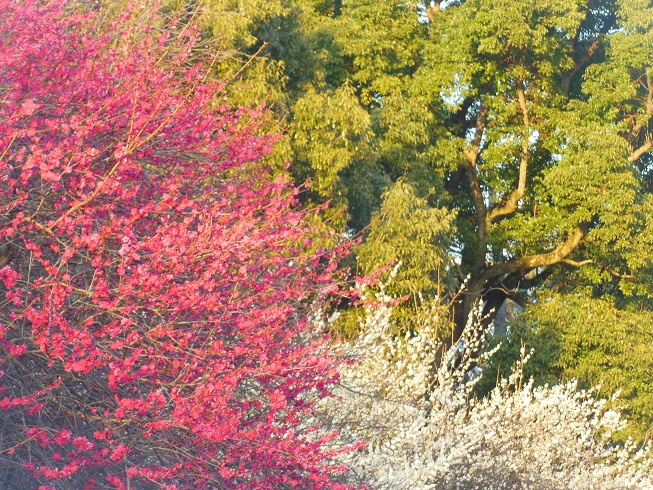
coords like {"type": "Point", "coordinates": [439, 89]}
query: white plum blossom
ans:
{"type": "Point", "coordinates": [425, 430]}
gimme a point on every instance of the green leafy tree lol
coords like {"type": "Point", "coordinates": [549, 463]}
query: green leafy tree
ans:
{"type": "Point", "coordinates": [407, 229]}
{"type": "Point", "coordinates": [284, 53]}
{"type": "Point", "coordinates": [576, 336]}
{"type": "Point", "coordinates": [547, 141]}
{"type": "Point", "coordinates": [528, 121]}
{"type": "Point", "coordinates": [333, 143]}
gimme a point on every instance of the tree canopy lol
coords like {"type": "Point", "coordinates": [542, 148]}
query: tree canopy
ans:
{"type": "Point", "coordinates": [520, 130]}
{"type": "Point", "coordinates": [528, 122]}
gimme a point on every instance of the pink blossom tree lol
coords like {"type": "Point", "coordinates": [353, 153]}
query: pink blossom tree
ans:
{"type": "Point", "coordinates": [153, 328]}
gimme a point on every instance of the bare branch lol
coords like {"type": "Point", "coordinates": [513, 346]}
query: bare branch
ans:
{"type": "Point", "coordinates": [472, 151]}
{"type": "Point", "coordinates": [432, 10]}
{"type": "Point", "coordinates": [634, 156]}
{"type": "Point", "coordinates": [618, 274]}
{"type": "Point", "coordinates": [649, 96]}
{"type": "Point", "coordinates": [577, 264]}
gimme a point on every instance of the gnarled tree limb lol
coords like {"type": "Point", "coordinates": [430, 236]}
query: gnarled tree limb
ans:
{"type": "Point", "coordinates": [559, 254]}
{"type": "Point", "coordinates": [579, 64]}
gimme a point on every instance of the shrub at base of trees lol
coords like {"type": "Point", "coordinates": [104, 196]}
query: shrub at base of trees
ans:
{"type": "Point", "coordinates": [425, 430]}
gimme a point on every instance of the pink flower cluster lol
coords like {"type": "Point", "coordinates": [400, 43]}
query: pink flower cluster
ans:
{"type": "Point", "coordinates": [153, 327]}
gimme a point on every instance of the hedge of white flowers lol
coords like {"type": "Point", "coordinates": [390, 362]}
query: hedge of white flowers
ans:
{"type": "Point", "coordinates": [425, 430]}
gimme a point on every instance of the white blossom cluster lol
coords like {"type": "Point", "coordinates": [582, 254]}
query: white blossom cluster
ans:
{"type": "Point", "coordinates": [425, 430]}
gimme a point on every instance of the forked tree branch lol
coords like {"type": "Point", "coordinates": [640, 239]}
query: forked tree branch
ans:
{"type": "Point", "coordinates": [558, 255]}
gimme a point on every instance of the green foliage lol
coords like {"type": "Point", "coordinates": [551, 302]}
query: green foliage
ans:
{"type": "Point", "coordinates": [287, 53]}
{"type": "Point", "coordinates": [381, 41]}
{"type": "Point", "coordinates": [372, 92]}
{"type": "Point", "coordinates": [408, 230]}
{"type": "Point", "coordinates": [331, 133]}
{"type": "Point", "coordinates": [579, 337]}
{"type": "Point", "coordinates": [498, 42]}
{"type": "Point", "coordinates": [492, 131]}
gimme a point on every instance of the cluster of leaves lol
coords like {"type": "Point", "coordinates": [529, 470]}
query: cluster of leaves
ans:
{"type": "Point", "coordinates": [153, 328]}
{"type": "Point", "coordinates": [309, 58]}
{"type": "Point", "coordinates": [407, 229]}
